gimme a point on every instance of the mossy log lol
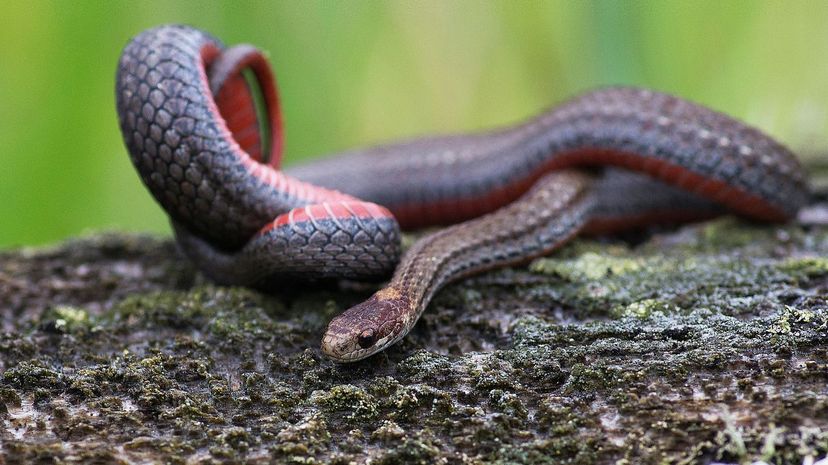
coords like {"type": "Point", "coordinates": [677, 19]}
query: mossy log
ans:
{"type": "Point", "coordinates": [707, 343]}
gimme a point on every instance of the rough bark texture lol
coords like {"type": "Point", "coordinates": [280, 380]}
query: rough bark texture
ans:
{"type": "Point", "coordinates": [708, 343]}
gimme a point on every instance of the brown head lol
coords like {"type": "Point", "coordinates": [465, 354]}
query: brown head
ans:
{"type": "Point", "coordinates": [367, 328]}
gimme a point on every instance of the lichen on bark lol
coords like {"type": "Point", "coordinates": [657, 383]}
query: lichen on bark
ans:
{"type": "Point", "coordinates": [706, 343]}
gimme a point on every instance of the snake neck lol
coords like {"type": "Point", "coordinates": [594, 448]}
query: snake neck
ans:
{"type": "Point", "coordinates": [546, 217]}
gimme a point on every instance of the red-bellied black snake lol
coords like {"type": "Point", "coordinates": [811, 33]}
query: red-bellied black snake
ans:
{"type": "Point", "coordinates": [210, 155]}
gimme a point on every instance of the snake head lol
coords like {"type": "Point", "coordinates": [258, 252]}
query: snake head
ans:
{"type": "Point", "coordinates": [367, 328]}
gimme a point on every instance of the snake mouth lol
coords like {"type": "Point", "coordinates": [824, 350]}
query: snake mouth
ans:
{"type": "Point", "coordinates": [344, 350]}
{"type": "Point", "coordinates": [244, 91]}
{"type": "Point", "coordinates": [340, 350]}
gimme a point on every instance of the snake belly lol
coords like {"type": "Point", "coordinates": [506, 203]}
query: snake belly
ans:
{"type": "Point", "coordinates": [187, 112]}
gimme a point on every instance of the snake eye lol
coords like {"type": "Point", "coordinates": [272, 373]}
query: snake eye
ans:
{"type": "Point", "coordinates": [366, 339]}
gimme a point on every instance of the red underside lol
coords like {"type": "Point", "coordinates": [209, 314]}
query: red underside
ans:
{"type": "Point", "coordinates": [339, 211]}
{"type": "Point", "coordinates": [234, 109]}
{"type": "Point", "coordinates": [237, 106]}
{"type": "Point", "coordinates": [415, 216]}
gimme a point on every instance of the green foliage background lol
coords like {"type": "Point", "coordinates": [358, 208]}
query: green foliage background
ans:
{"type": "Point", "coordinates": [356, 73]}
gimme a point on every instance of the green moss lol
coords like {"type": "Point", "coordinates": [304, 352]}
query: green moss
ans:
{"type": "Point", "coordinates": [507, 403]}
{"type": "Point", "coordinates": [644, 309]}
{"type": "Point", "coordinates": [413, 451]}
{"type": "Point", "coordinates": [587, 266]}
{"type": "Point", "coordinates": [388, 431]}
{"type": "Point", "coordinates": [425, 365]}
{"type": "Point", "coordinates": [805, 268]}
{"type": "Point", "coordinates": [33, 374]}
{"type": "Point", "coordinates": [300, 441]}
{"type": "Point", "coordinates": [347, 402]}
{"type": "Point", "coordinates": [67, 318]}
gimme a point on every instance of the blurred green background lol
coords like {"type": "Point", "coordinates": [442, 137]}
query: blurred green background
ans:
{"type": "Point", "coordinates": [356, 73]}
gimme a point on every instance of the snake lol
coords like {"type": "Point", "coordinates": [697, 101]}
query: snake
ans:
{"type": "Point", "coordinates": [203, 127]}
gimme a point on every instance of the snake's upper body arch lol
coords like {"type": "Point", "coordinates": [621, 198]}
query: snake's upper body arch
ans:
{"type": "Point", "coordinates": [187, 113]}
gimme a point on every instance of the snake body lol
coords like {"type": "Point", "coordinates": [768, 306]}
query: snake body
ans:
{"type": "Point", "coordinates": [188, 117]}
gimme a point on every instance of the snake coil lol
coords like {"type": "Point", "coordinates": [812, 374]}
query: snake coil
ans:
{"type": "Point", "coordinates": [210, 156]}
